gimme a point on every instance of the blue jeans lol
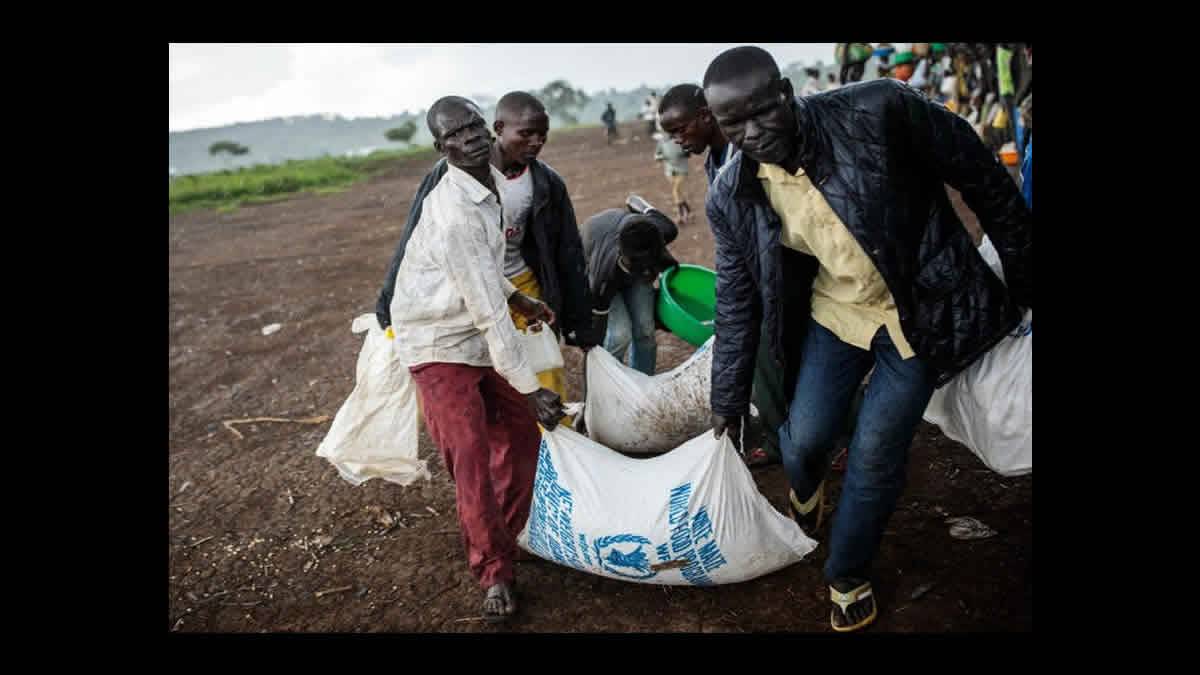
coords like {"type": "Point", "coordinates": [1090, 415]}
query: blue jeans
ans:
{"type": "Point", "coordinates": [631, 319]}
{"type": "Point", "coordinates": [895, 398]}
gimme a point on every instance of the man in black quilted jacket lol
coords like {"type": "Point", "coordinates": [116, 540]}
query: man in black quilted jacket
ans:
{"type": "Point", "coordinates": [834, 230]}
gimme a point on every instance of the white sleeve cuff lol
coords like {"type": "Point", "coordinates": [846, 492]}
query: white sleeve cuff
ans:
{"type": "Point", "coordinates": [524, 380]}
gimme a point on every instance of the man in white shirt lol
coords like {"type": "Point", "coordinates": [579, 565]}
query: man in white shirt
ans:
{"type": "Point", "coordinates": [544, 254]}
{"type": "Point", "coordinates": [450, 316]}
{"type": "Point", "coordinates": [649, 113]}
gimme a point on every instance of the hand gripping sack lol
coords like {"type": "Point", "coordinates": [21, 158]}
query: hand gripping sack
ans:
{"type": "Point", "coordinates": [375, 432]}
{"type": "Point", "coordinates": [692, 516]}
{"type": "Point", "coordinates": [989, 406]}
{"type": "Point", "coordinates": [630, 411]}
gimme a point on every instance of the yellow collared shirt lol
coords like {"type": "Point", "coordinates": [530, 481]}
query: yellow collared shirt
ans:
{"type": "Point", "coordinates": [849, 296]}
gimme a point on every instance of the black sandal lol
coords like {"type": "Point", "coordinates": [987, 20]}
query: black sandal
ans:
{"type": "Point", "coordinates": [808, 516]}
{"type": "Point", "coordinates": [839, 616]}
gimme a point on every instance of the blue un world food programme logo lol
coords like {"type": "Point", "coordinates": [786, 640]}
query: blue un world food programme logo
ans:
{"type": "Point", "coordinates": [626, 555]}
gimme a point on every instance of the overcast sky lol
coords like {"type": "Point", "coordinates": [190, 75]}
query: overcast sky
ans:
{"type": "Point", "coordinates": [217, 84]}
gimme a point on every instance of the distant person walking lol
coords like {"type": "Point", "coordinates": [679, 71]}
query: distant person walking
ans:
{"type": "Point", "coordinates": [610, 124]}
{"type": "Point", "coordinates": [649, 113]}
{"type": "Point", "coordinates": [675, 166]}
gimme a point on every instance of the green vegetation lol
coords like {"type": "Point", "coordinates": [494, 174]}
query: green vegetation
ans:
{"type": "Point", "coordinates": [227, 146]}
{"type": "Point", "coordinates": [226, 190]}
{"type": "Point", "coordinates": [562, 100]}
{"type": "Point", "coordinates": [402, 133]}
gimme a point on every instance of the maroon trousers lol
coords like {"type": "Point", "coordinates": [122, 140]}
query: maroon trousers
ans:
{"type": "Point", "coordinates": [489, 438]}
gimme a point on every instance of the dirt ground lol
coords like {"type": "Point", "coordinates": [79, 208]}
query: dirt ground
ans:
{"type": "Point", "coordinates": [265, 537]}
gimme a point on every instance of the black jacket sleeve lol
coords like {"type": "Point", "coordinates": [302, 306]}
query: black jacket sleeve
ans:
{"type": "Point", "coordinates": [737, 324]}
{"type": "Point", "coordinates": [600, 249]}
{"type": "Point", "coordinates": [383, 305]}
{"type": "Point", "coordinates": [572, 269]}
{"type": "Point", "coordinates": [949, 145]}
{"type": "Point", "coordinates": [606, 286]}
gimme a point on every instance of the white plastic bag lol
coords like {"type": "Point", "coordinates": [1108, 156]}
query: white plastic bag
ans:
{"type": "Point", "coordinates": [541, 347]}
{"type": "Point", "coordinates": [375, 432]}
{"type": "Point", "coordinates": [691, 516]}
{"type": "Point", "coordinates": [989, 406]}
{"type": "Point", "coordinates": [632, 412]}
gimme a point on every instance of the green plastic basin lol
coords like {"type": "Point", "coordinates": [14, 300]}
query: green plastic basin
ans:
{"type": "Point", "coordinates": [687, 302]}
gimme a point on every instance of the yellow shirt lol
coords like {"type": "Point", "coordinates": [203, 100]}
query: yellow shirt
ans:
{"type": "Point", "coordinates": [849, 296]}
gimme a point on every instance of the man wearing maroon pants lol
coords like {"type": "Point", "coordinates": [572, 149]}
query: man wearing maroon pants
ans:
{"type": "Point", "coordinates": [450, 317]}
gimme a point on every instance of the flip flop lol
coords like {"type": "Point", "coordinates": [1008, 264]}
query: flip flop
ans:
{"type": "Point", "coordinates": [861, 593]}
{"type": "Point", "coordinates": [815, 514]}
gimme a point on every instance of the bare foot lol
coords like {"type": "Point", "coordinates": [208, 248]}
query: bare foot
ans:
{"type": "Point", "coordinates": [499, 603]}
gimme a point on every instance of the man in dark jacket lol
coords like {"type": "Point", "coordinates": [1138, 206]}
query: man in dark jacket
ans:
{"type": "Point", "coordinates": [685, 115]}
{"type": "Point", "coordinates": [834, 228]}
{"type": "Point", "coordinates": [610, 124]}
{"type": "Point", "coordinates": [545, 254]}
{"type": "Point", "coordinates": [626, 249]}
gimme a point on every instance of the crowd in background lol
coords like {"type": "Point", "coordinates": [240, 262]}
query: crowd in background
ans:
{"type": "Point", "coordinates": [990, 84]}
